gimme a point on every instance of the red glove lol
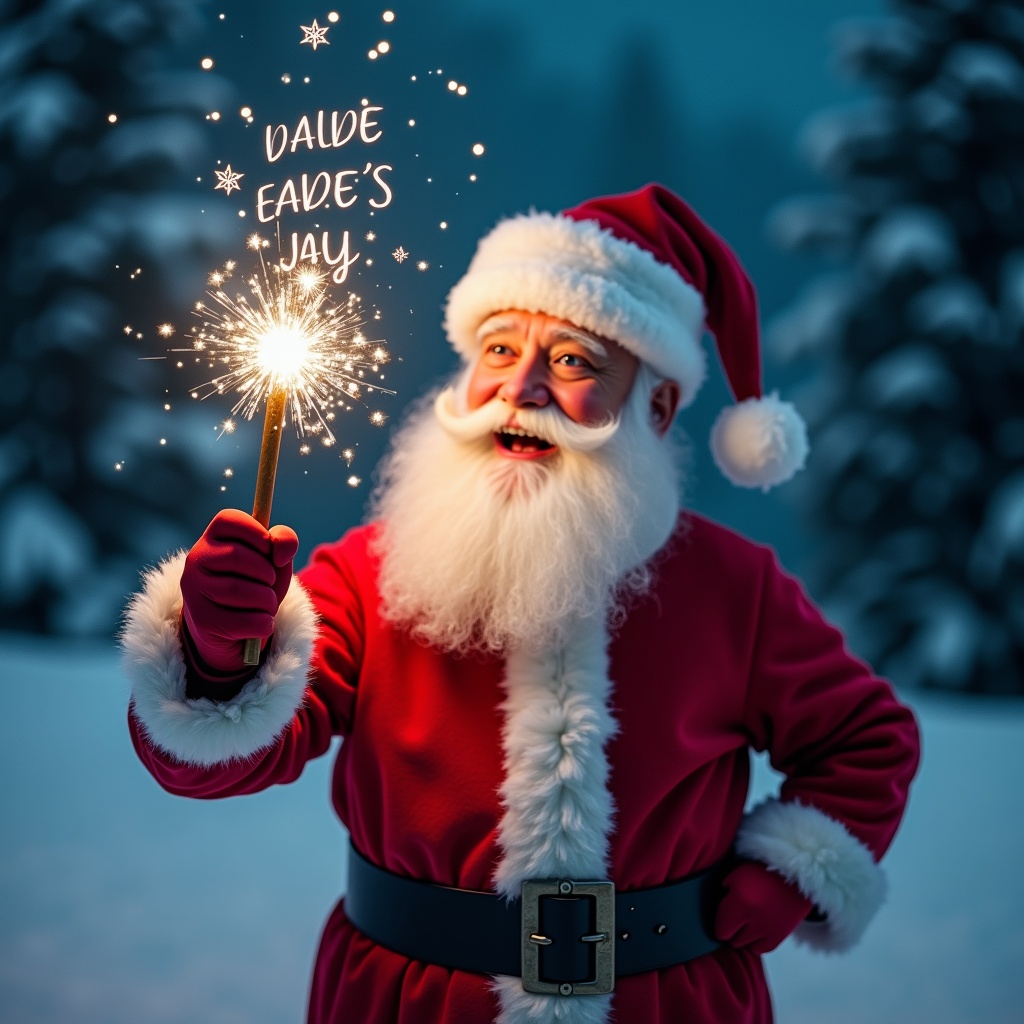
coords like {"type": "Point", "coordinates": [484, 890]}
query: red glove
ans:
{"type": "Point", "coordinates": [233, 583]}
{"type": "Point", "coordinates": [759, 908]}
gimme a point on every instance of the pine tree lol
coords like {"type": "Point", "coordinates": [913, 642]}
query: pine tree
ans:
{"type": "Point", "coordinates": [916, 406]}
{"type": "Point", "coordinates": [96, 131]}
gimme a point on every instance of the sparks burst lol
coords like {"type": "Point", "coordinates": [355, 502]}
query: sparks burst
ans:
{"type": "Point", "coordinates": [285, 334]}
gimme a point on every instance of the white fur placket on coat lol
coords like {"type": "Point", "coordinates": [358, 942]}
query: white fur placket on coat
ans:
{"type": "Point", "coordinates": [558, 809]}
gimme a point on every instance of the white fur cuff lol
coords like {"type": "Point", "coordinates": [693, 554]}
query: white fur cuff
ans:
{"type": "Point", "coordinates": [207, 732]}
{"type": "Point", "coordinates": [824, 861]}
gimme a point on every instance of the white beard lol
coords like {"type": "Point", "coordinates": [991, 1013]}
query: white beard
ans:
{"type": "Point", "coordinates": [482, 551]}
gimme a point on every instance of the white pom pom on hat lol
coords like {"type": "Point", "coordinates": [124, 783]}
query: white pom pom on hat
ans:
{"type": "Point", "coordinates": [645, 271]}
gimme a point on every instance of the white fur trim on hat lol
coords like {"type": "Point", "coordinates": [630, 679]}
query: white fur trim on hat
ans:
{"type": "Point", "coordinates": [759, 442]}
{"type": "Point", "coordinates": [824, 861]}
{"type": "Point", "coordinates": [206, 732]}
{"type": "Point", "coordinates": [581, 272]}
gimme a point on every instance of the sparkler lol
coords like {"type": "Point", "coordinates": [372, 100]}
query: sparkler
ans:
{"type": "Point", "coordinates": [292, 350]}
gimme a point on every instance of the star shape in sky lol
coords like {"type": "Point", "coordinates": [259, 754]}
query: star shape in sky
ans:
{"type": "Point", "coordinates": [400, 254]}
{"type": "Point", "coordinates": [228, 180]}
{"type": "Point", "coordinates": [315, 35]}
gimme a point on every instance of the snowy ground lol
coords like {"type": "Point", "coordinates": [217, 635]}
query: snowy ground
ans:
{"type": "Point", "coordinates": [119, 903]}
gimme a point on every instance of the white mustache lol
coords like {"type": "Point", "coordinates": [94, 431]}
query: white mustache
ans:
{"type": "Point", "coordinates": [549, 423]}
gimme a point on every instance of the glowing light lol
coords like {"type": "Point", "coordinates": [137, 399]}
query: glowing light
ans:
{"type": "Point", "coordinates": [422, 265]}
{"type": "Point", "coordinates": [246, 112]}
{"type": "Point", "coordinates": [286, 78]}
{"type": "Point", "coordinates": [372, 54]}
{"type": "Point", "coordinates": [353, 481]}
{"type": "Point", "coordinates": [370, 236]}
{"type": "Point", "coordinates": [163, 440]}
{"type": "Point", "coordinates": [400, 255]}
{"type": "Point", "coordinates": [229, 472]}
{"type": "Point", "coordinates": [378, 419]}
{"type": "Point", "coordinates": [444, 225]}
{"type": "Point", "coordinates": [216, 278]}
{"type": "Point", "coordinates": [255, 242]}
{"type": "Point", "coordinates": [412, 124]}
{"type": "Point", "coordinates": [388, 16]}
{"type": "Point", "coordinates": [112, 118]}
{"type": "Point", "coordinates": [462, 90]}
{"type": "Point", "coordinates": [452, 86]}
{"type": "Point", "coordinates": [285, 334]}
{"type": "Point", "coordinates": [118, 466]}
{"type": "Point", "coordinates": [478, 149]}
{"type": "Point", "coordinates": [227, 427]}
{"type": "Point", "coordinates": [333, 17]}
{"type": "Point", "coordinates": [165, 330]}
{"type": "Point", "coordinates": [314, 34]}
{"type": "Point", "coordinates": [214, 115]}
{"type": "Point", "coordinates": [383, 46]}
{"type": "Point", "coordinates": [472, 177]}
{"type": "Point", "coordinates": [128, 328]}
{"type": "Point", "coordinates": [206, 63]}
{"type": "Point", "coordinates": [304, 449]}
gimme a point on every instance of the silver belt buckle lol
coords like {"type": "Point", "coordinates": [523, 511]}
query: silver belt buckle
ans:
{"type": "Point", "coordinates": [603, 937]}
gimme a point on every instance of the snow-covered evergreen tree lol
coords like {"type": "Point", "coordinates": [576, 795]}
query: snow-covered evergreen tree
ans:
{"type": "Point", "coordinates": [917, 335]}
{"type": "Point", "coordinates": [96, 130]}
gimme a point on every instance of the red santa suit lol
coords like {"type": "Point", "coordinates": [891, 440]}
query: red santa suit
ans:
{"type": "Point", "coordinates": [623, 754]}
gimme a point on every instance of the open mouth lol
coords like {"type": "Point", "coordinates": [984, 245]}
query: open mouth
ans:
{"type": "Point", "coordinates": [516, 441]}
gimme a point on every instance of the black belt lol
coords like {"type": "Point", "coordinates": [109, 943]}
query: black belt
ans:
{"type": "Point", "coordinates": [562, 936]}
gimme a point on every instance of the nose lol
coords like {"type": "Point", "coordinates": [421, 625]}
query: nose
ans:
{"type": "Point", "coordinates": [526, 386]}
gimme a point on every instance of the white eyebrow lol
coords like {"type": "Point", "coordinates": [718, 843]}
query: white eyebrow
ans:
{"type": "Point", "coordinates": [588, 341]}
{"type": "Point", "coordinates": [493, 325]}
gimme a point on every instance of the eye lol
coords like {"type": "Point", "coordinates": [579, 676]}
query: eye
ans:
{"type": "Point", "coordinates": [573, 361]}
{"type": "Point", "coordinates": [498, 353]}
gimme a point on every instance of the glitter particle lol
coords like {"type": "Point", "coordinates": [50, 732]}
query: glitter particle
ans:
{"type": "Point", "coordinates": [112, 118]}
{"type": "Point", "coordinates": [388, 16]}
{"type": "Point", "coordinates": [333, 17]}
{"type": "Point", "coordinates": [478, 149]}
{"type": "Point", "coordinates": [353, 481]}
{"type": "Point", "coordinates": [400, 255]}
{"type": "Point", "coordinates": [206, 63]}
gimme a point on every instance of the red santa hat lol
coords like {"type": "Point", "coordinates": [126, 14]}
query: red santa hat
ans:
{"type": "Point", "coordinates": [642, 269]}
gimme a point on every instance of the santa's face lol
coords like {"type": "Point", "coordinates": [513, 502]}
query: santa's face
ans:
{"type": "Point", "coordinates": [504, 539]}
{"type": "Point", "coordinates": [537, 361]}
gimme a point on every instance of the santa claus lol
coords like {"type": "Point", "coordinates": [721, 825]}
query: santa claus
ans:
{"type": "Point", "coordinates": [548, 677]}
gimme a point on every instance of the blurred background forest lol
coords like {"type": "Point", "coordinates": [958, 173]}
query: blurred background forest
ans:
{"type": "Point", "coordinates": [864, 159]}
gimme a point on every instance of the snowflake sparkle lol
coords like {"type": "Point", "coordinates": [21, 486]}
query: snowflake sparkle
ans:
{"type": "Point", "coordinates": [400, 255]}
{"type": "Point", "coordinates": [228, 180]}
{"type": "Point", "coordinates": [315, 35]}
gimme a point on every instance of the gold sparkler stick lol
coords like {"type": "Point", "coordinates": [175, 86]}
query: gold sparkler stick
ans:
{"type": "Point", "coordinates": [273, 422]}
{"type": "Point", "coordinates": [293, 349]}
